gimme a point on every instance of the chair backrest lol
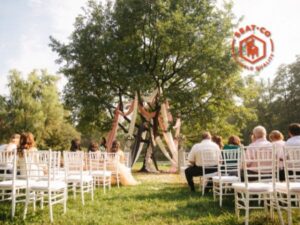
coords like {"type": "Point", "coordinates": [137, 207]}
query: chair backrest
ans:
{"type": "Point", "coordinates": [8, 164]}
{"type": "Point", "coordinates": [258, 163]}
{"type": "Point", "coordinates": [42, 165]}
{"type": "Point", "coordinates": [97, 161]}
{"type": "Point", "coordinates": [73, 162]}
{"type": "Point", "coordinates": [230, 163]}
{"type": "Point", "coordinates": [209, 158]}
{"type": "Point", "coordinates": [127, 159]}
{"type": "Point", "coordinates": [112, 161]}
{"type": "Point", "coordinates": [292, 164]}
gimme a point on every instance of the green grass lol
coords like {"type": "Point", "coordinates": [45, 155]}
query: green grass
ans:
{"type": "Point", "coordinates": [160, 199]}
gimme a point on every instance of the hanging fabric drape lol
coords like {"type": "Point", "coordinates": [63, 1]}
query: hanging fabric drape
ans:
{"type": "Point", "coordinates": [133, 117]}
{"type": "Point", "coordinates": [140, 147]}
{"type": "Point", "coordinates": [163, 149]}
{"type": "Point", "coordinates": [112, 134]}
{"type": "Point", "coordinates": [164, 124]}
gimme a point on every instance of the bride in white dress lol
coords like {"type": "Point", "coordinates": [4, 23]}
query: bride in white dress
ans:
{"type": "Point", "coordinates": [126, 177]}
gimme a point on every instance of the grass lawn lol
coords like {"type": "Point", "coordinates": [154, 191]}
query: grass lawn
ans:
{"type": "Point", "coordinates": [160, 199]}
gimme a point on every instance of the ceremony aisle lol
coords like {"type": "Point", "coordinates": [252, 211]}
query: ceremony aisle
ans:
{"type": "Point", "coordinates": [160, 199]}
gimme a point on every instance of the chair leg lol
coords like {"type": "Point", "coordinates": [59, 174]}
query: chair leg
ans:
{"type": "Point", "coordinates": [82, 194]}
{"type": "Point", "coordinates": [13, 202]}
{"type": "Point", "coordinates": [247, 208]}
{"type": "Point", "coordinates": [289, 209]}
{"type": "Point", "coordinates": [220, 193]}
{"type": "Point", "coordinates": [203, 186]}
{"type": "Point", "coordinates": [214, 190]}
{"type": "Point", "coordinates": [92, 192]}
{"type": "Point", "coordinates": [65, 200]}
{"type": "Point", "coordinates": [34, 201]}
{"type": "Point", "coordinates": [278, 209]}
{"type": "Point", "coordinates": [50, 206]}
{"type": "Point", "coordinates": [26, 204]}
{"type": "Point", "coordinates": [237, 212]}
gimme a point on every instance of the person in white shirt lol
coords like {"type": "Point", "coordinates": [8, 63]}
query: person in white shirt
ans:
{"type": "Point", "coordinates": [194, 158]}
{"type": "Point", "coordinates": [13, 143]}
{"type": "Point", "coordinates": [294, 133]}
{"type": "Point", "coordinates": [260, 140]}
{"type": "Point", "coordinates": [277, 139]}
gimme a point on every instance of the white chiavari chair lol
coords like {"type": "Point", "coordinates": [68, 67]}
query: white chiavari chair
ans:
{"type": "Point", "coordinates": [259, 175]}
{"type": "Point", "coordinates": [12, 189]}
{"type": "Point", "coordinates": [42, 180]}
{"type": "Point", "coordinates": [98, 169]}
{"type": "Point", "coordinates": [74, 163]}
{"type": "Point", "coordinates": [112, 162]}
{"type": "Point", "coordinates": [288, 193]}
{"type": "Point", "coordinates": [228, 173]}
{"type": "Point", "coordinates": [209, 159]}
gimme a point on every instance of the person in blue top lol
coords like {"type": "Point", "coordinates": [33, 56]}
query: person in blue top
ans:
{"type": "Point", "coordinates": [234, 142]}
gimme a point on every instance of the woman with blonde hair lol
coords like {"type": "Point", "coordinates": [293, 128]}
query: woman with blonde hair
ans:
{"type": "Point", "coordinates": [277, 139]}
{"type": "Point", "coordinates": [126, 177]}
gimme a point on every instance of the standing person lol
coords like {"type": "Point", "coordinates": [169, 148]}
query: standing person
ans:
{"type": "Point", "coordinates": [13, 143]}
{"type": "Point", "coordinates": [194, 158]}
{"type": "Point", "coordinates": [103, 144]}
{"type": "Point", "coordinates": [234, 142]}
{"type": "Point", "coordinates": [294, 133]}
{"type": "Point", "coordinates": [75, 145]}
{"type": "Point", "coordinates": [276, 139]}
{"type": "Point", "coordinates": [218, 140]}
{"type": "Point", "coordinates": [126, 177]}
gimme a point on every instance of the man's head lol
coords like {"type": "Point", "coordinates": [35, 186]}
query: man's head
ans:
{"type": "Point", "coordinates": [294, 129]}
{"type": "Point", "coordinates": [259, 132]}
{"type": "Point", "coordinates": [206, 135]}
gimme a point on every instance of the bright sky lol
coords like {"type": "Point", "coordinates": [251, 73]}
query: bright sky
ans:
{"type": "Point", "coordinates": [25, 27]}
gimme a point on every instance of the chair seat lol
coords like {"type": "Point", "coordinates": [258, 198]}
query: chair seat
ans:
{"type": "Point", "coordinates": [101, 173]}
{"type": "Point", "coordinates": [54, 185]}
{"type": "Point", "coordinates": [18, 183]}
{"type": "Point", "coordinates": [77, 178]}
{"type": "Point", "coordinates": [226, 178]}
{"type": "Point", "coordinates": [282, 187]}
{"type": "Point", "coordinates": [253, 187]}
{"type": "Point", "coordinates": [210, 174]}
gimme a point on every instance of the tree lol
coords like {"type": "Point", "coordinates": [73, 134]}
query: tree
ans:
{"type": "Point", "coordinates": [33, 105]}
{"type": "Point", "coordinates": [178, 47]}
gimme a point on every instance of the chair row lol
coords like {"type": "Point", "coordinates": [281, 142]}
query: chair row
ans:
{"type": "Point", "coordinates": [38, 176]}
{"type": "Point", "coordinates": [253, 174]}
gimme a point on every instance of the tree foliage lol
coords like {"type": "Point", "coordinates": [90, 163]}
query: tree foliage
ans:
{"type": "Point", "coordinates": [33, 105]}
{"type": "Point", "coordinates": [178, 47]}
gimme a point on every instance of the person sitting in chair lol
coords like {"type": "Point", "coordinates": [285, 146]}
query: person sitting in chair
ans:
{"type": "Point", "coordinates": [194, 158]}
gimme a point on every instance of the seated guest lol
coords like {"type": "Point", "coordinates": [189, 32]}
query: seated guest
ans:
{"type": "Point", "coordinates": [126, 177]}
{"type": "Point", "coordinates": [294, 133]}
{"type": "Point", "coordinates": [276, 138]}
{"type": "Point", "coordinates": [259, 137]}
{"type": "Point", "coordinates": [194, 158]}
{"type": "Point", "coordinates": [260, 140]}
{"type": "Point", "coordinates": [13, 143]}
{"type": "Point", "coordinates": [75, 145]}
{"type": "Point", "coordinates": [218, 140]}
{"type": "Point", "coordinates": [234, 142]}
{"type": "Point", "coordinates": [93, 147]}
{"type": "Point", "coordinates": [27, 143]}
